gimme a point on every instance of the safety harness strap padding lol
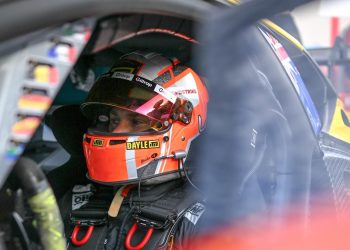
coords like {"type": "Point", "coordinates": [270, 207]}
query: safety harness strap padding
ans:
{"type": "Point", "coordinates": [173, 199]}
{"type": "Point", "coordinates": [116, 203]}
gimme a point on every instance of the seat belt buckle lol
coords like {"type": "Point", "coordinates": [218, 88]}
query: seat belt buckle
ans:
{"type": "Point", "coordinates": [150, 218]}
{"type": "Point", "coordinates": [88, 218]}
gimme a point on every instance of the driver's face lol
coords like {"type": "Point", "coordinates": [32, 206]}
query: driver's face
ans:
{"type": "Point", "coordinates": [122, 121]}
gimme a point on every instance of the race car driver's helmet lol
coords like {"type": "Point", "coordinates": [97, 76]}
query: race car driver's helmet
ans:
{"type": "Point", "coordinates": [143, 115]}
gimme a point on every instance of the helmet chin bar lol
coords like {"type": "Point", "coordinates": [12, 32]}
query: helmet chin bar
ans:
{"type": "Point", "coordinates": [178, 155]}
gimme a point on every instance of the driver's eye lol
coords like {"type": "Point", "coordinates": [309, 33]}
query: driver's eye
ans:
{"type": "Point", "coordinates": [114, 118]}
{"type": "Point", "coordinates": [114, 121]}
{"type": "Point", "coordinates": [140, 123]}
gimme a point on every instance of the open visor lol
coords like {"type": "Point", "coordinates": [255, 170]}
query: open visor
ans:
{"type": "Point", "coordinates": [131, 93]}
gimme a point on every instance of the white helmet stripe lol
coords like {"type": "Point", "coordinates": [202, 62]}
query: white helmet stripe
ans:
{"type": "Point", "coordinates": [130, 160]}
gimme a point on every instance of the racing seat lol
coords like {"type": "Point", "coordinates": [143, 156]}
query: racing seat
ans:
{"type": "Point", "coordinates": [68, 126]}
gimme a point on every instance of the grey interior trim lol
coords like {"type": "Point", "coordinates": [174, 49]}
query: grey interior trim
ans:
{"type": "Point", "coordinates": [21, 17]}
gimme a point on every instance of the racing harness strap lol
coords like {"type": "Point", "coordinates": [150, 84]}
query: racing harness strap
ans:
{"type": "Point", "coordinates": [158, 213]}
{"type": "Point", "coordinates": [133, 220]}
{"type": "Point", "coordinates": [91, 214]}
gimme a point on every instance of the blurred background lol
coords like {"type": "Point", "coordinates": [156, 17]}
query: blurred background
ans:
{"type": "Point", "coordinates": [321, 21]}
{"type": "Point", "coordinates": [324, 29]}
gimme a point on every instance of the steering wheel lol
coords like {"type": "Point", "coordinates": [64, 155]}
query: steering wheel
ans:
{"type": "Point", "coordinates": [43, 204]}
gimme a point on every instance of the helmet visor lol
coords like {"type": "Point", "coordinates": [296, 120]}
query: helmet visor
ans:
{"type": "Point", "coordinates": [111, 95]}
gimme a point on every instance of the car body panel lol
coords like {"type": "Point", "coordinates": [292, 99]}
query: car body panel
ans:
{"type": "Point", "coordinates": [340, 126]}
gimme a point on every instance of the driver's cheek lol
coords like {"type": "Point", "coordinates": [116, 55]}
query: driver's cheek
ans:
{"type": "Point", "coordinates": [123, 127]}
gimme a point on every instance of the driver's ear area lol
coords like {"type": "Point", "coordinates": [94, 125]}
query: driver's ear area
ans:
{"type": "Point", "coordinates": [69, 125]}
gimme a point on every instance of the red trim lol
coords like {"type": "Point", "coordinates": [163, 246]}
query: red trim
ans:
{"type": "Point", "coordinates": [176, 61]}
{"type": "Point", "coordinates": [140, 69]}
{"type": "Point", "coordinates": [165, 69]}
{"type": "Point", "coordinates": [126, 190]}
{"type": "Point", "coordinates": [145, 31]}
{"type": "Point", "coordinates": [87, 35]}
{"type": "Point", "coordinates": [85, 239]}
{"type": "Point", "coordinates": [176, 78]}
{"type": "Point", "coordinates": [282, 53]}
{"type": "Point", "coordinates": [334, 29]}
{"type": "Point", "coordinates": [53, 75]}
{"type": "Point", "coordinates": [72, 54]}
{"type": "Point", "coordinates": [143, 242]}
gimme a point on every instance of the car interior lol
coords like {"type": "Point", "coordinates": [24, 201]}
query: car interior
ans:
{"type": "Point", "coordinates": [271, 172]}
{"type": "Point", "coordinates": [61, 157]}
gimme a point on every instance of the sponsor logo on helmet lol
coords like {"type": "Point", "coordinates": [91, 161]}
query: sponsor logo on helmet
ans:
{"type": "Point", "coordinates": [97, 142]}
{"type": "Point", "coordinates": [122, 75]}
{"type": "Point", "coordinates": [144, 82]}
{"type": "Point", "coordinates": [146, 159]}
{"type": "Point", "coordinates": [185, 92]}
{"type": "Point", "coordinates": [142, 144]}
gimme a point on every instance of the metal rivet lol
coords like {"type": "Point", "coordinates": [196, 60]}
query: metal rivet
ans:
{"type": "Point", "coordinates": [185, 119]}
{"type": "Point", "coordinates": [183, 138]}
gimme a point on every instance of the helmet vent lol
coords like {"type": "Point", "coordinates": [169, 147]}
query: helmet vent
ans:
{"type": "Point", "coordinates": [88, 140]}
{"type": "Point", "coordinates": [115, 142]}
